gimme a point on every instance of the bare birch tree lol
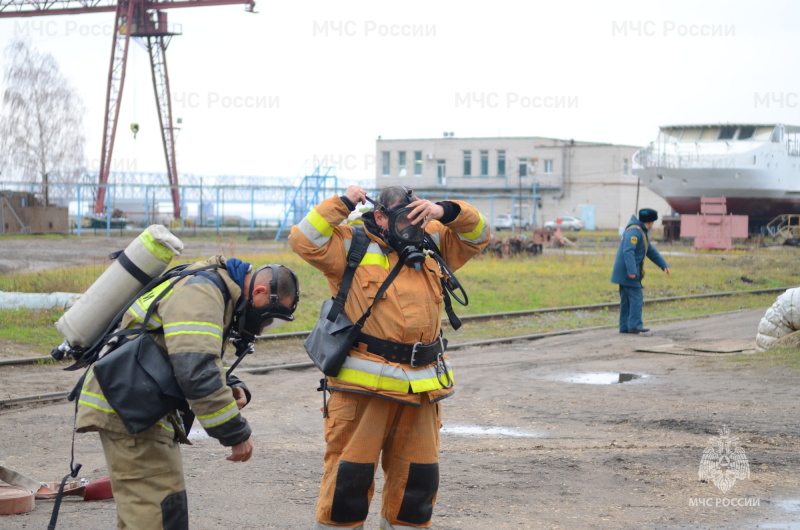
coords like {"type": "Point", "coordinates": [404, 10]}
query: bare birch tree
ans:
{"type": "Point", "coordinates": [41, 121]}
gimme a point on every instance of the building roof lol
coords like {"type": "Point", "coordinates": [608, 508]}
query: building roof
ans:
{"type": "Point", "coordinates": [534, 138]}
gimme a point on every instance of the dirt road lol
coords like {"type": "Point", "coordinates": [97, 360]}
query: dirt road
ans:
{"type": "Point", "coordinates": [531, 439]}
{"type": "Point", "coordinates": [41, 253]}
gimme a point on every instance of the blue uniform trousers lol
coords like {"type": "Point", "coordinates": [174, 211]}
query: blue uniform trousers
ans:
{"type": "Point", "coordinates": [630, 308]}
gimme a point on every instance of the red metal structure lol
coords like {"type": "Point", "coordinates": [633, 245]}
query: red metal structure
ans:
{"type": "Point", "coordinates": [713, 228]}
{"type": "Point", "coordinates": [147, 22]}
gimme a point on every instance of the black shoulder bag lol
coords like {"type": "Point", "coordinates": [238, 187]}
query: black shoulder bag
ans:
{"type": "Point", "coordinates": [334, 334]}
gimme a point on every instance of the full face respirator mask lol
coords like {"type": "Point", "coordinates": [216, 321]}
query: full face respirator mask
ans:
{"type": "Point", "coordinates": [405, 237]}
{"type": "Point", "coordinates": [253, 321]}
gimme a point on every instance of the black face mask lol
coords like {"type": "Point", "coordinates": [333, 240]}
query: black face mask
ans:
{"type": "Point", "coordinates": [404, 237]}
{"type": "Point", "coordinates": [252, 321]}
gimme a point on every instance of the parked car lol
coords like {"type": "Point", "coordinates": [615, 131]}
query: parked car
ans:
{"type": "Point", "coordinates": [572, 224]}
{"type": "Point", "coordinates": [507, 222]}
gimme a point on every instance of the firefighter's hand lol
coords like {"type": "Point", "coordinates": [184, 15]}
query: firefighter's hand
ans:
{"type": "Point", "coordinates": [242, 452]}
{"type": "Point", "coordinates": [424, 211]}
{"type": "Point", "coordinates": [668, 271]}
{"type": "Point", "coordinates": [356, 194]}
{"type": "Point", "coordinates": [240, 397]}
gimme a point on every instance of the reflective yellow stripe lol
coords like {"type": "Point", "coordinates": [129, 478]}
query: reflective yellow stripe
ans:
{"type": "Point", "coordinates": [426, 385]}
{"type": "Point", "coordinates": [387, 377]}
{"type": "Point", "coordinates": [219, 417]}
{"type": "Point", "coordinates": [319, 222]}
{"type": "Point", "coordinates": [139, 308]}
{"type": "Point", "coordinates": [165, 426]}
{"type": "Point", "coordinates": [372, 380]}
{"type": "Point", "coordinates": [475, 234]}
{"type": "Point", "coordinates": [138, 313]}
{"type": "Point", "coordinates": [156, 249]}
{"type": "Point", "coordinates": [375, 259]}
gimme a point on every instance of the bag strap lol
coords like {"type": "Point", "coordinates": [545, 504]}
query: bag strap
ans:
{"type": "Point", "coordinates": [358, 248]}
{"type": "Point", "coordinates": [644, 236]}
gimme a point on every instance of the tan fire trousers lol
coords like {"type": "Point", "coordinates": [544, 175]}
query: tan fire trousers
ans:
{"type": "Point", "coordinates": [147, 481]}
{"type": "Point", "coordinates": [358, 429]}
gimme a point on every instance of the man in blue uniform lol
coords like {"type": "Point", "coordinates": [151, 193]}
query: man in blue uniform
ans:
{"type": "Point", "coordinates": [629, 269]}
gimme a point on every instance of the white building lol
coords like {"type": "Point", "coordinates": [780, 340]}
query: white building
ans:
{"type": "Point", "coordinates": [589, 180]}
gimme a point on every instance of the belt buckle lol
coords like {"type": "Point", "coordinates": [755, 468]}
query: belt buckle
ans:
{"type": "Point", "coordinates": [414, 353]}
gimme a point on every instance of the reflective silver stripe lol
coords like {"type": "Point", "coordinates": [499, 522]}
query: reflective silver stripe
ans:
{"type": "Point", "coordinates": [219, 417]}
{"type": "Point", "coordinates": [437, 238]}
{"type": "Point", "coordinates": [315, 228]}
{"type": "Point", "coordinates": [138, 313]}
{"type": "Point", "coordinates": [96, 401]}
{"type": "Point", "coordinates": [387, 370]}
{"type": "Point", "coordinates": [372, 248]}
{"type": "Point", "coordinates": [192, 328]}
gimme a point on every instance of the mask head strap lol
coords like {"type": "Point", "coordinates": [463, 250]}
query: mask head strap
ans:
{"type": "Point", "coordinates": [274, 308]}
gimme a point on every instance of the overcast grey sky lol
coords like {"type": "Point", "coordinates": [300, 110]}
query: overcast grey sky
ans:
{"type": "Point", "coordinates": [303, 82]}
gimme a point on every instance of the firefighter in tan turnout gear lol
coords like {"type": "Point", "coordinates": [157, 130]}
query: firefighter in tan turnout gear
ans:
{"type": "Point", "coordinates": [381, 406]}
{"type": "Point", "coordinates": [192, 322]}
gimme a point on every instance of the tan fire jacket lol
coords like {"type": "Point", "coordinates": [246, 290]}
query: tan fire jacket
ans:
{"type": "Point", "coordinates": [411, 309]}
{"type": "Point", "coordinates": [193, 316]}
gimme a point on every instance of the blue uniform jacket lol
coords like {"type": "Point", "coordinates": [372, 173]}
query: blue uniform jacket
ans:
{"type": "Point", "coordinates": [631, 254]}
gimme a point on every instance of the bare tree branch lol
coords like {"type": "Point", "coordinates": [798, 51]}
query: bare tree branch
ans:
{"type": "Point", "coordinates": [41, 122]}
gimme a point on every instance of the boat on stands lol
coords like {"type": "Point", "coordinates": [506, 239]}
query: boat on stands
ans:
{"type": "Point", "coordinates": [756, 167]}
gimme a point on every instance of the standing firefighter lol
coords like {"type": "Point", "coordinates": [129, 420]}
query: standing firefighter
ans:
{"type": "Point", "coordinates": [385, 398]}
{"type": "Point", "coordinates": [191, 322]}
{"type": "Point", "coordinates": [629, 269]}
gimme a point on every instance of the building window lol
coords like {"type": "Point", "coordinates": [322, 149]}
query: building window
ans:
{"type": "Point", "coordinates": [441, 172]}
{"type": "Point", "coordinates": [417, 163]}
{"type": "Point", "coordinates": [467, 163]}
{"type": "Point", "coordinates": [523, 167]}
{"type": "Point", "coordinates": [401, 163]}
{"type": "Point", "coordinates": [484, 163]}
{"type": "Point", "coordinates": [385, 163]}
{"type": "Point", "coordinates": [625, 166]}
{"type": "Point", "coordinates": [501, 163]}
{"type": "Point", "coordinates": [548, 166]}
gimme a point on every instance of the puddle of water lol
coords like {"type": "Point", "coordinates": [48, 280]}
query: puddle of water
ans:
{"type": "Point", "coordinates": [790, 505]}
{"type": "Point", "coordinates": [198, 434]}
{"type": "Point", "coordinates": [477, 430]}
{"type": "Point", "coordinates": [605, 378]}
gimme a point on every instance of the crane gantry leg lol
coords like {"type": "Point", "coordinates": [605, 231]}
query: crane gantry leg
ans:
{"type": "Point", "coordinates": [157, 48]}
{"type": "Point", "coordinates": [116, 81]}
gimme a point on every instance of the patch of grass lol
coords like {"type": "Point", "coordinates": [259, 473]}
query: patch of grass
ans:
{"type": "Point", "coordinates": [32, 329]}
{"type": "Point", "coordinates": [788, 358]}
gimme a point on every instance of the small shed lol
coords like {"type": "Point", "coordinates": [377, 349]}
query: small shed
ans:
{"type": "Point", "coordinates": [22, 213]}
